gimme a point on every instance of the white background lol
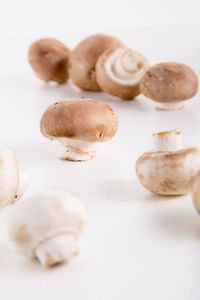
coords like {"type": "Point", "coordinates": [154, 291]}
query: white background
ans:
{"type": "Point", "coordinates": [136, 245]}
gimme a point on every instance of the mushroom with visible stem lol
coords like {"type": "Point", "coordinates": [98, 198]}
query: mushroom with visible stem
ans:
{"type": "Point", "coordinates": [47, 225]}
{"type": "Point", "coordinates": [170, 167]}
{"type": "Point", "coordinates": [78, 124]}
{"type": "Point", "coordinates": [49, 59]}
{"type": "Point", "coordinates": [12, 182]}
{"type": "Point", "coordinates": [84, 57]}
{"type": "Point", "coordinates": [169, 84]}
{"type": "Point", "coordinates": [119, 71]}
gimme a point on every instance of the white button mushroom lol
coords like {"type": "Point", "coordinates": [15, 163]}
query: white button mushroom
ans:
{"type": "Point", "coordinates": [12, 183]}
{"type": "Point", "coordinates": [169, 168]}
{"type": "Point", "coordinates": [46, 226]}
{"type": "Point", "coordinates": [119, 72]}
{"type": "Point", "coordinates": [84, 57]}
{"type": "Point", "coordinates": [77, 124]}
{"type": "Point", "coordinates": [169, 84]}
{"type": "Point", "coordinates": [49, 59]}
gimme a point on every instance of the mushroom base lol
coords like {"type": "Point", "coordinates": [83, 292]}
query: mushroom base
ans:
{"type": "Point", "coordinates": [169, 105]}
{"type": "Point", "coordinates": [57, 249]}
{"type": "Point", "coordinates": [76, 150]}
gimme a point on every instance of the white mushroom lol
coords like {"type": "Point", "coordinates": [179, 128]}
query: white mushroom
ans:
{"type": "Point", "coordinates": [12, 183]}
{"type": "Point", "coordinates": [196, 192]}
{"type": "Point", "coordinates": [170, 167]}
{"type": "Point", "coordinates": [47, 225]}
{"type": "Point", "coordinates": [119, 71]}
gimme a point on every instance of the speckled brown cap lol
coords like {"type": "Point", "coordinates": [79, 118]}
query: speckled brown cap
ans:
{"type": "Point", "coordinates": [83, 119]}
{"type": "Point", "coordinates": [84, 57]}
{"type": "Point", "coordinates": [169, 82]}
{"type": "Point", "coordinates": [49, 59]}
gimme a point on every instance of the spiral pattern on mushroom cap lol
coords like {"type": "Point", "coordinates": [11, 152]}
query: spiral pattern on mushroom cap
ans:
{"type": "Point", "coordinates": [126, 66]}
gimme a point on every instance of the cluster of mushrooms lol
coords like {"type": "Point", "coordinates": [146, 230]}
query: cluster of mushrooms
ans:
{"type": "Point", "coordinates": [103, 63]}
{"type": "Point", "coordinates": [47, 225]}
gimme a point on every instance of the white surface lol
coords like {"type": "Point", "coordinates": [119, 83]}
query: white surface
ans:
{"type": "Point", "coordinates": [136, 245]}
{"type": "Point", "coordinates": [46, 17]}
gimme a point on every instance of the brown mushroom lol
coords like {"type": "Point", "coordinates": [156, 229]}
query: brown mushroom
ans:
{"type": "Point", "coordinates": [77, 124]}
{"type": "Point", "coordinates": [119, 71]}
{"type": "Point", "coordinates": [169, 84]}
{"type": "Point", "coordinates": [170, 167]}
{"type": "Point", "coordinates": [49, 59]}
{"type": "Point", "coordinates": [84, 57]}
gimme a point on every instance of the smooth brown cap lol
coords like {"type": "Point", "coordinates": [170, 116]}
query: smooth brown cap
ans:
{"type": "Point", "coordinates": [49, 59]}
{"type": "Point", "coordinates": [169, 82]}
{"type": "Point", "coordinates": [84, 119]}
{"type": "Point", "coordinates": [84, 57]}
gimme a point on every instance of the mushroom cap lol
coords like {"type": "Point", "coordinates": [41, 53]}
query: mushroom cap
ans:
{"type": "Point", "coordinates": [168, 172]}
{"type": "Point", "coordinates": [49, 59]}
{"type": "Point", "coordinates": [84, 57]}
{"type": "Point", "coordinates": [196, 192]}
{"type": "Point", "coordinates": [83, 119]}
{"type": "Point", "coordinates": [119, 71]}
{"type": "Point", "coordinates": [169, 82]}
{"type": "Point", "coordinates": [9, 176]}
{"type": "Point", "coordinates": [43, 215]}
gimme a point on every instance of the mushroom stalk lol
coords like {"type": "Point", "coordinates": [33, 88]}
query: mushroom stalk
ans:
{"type": "Point", "coordinates": [77, 150]}
{"type": "Point", "coordinates": [57, 249]}
{"type": "Point", "coordinates": [167, 141]}
{"type": "Point", "coordinates": [169, 105]}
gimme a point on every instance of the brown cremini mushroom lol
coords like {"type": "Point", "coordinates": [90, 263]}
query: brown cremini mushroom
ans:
{"type": "Point", "coordinates": [169, 84]}
{"type": "Point", "coordinates": [77, 124]}
{"type": "Point", "coordinates": [49, 59]}
{"type": "Point", "coordinates": [84, 57]}
{"type": "Point", "coordinates": [170, 167]}
{"type": "Point", "coordinates": [119, 71]}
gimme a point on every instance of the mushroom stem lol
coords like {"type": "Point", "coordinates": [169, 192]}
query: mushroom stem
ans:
{"type": "Point", "coordinates": [77, 150]}
{"type": "Point", "coordinates": [167, 141]}
{"type": "Point", "coordinates": [57, 249]}
{"type": "Point", "coordinates": [169, 105]}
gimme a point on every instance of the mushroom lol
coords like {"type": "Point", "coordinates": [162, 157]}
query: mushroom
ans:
{"type": "Point", "coordinates": [169, 84]}
{"type": "Point", "coordinates": [46, 225]}
{"type": "Point", "coordinates": [12, 183]}
{"type": "Point", "coordinates": [196, 192]}
{"type": "Point", "coordinates": [169, 168]}
{"type": "Point", "coordinates": [49, 59]}
{"type": "Point", "coordinates": [84, 57]}
{"type": "Point", "coordinates": [77, 124]}
{"type": "Point", "coordinates": [119, 71]}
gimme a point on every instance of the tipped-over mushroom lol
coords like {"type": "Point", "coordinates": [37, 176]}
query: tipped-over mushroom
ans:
{"type": "Point", "coordinates": [49, 59]}
{"type": "Point", "coordinates": [84, 57]}
{"type": "Point", "coordinates": [169, 168]}
{"type": "Point", "coordinates": [77, 124]}
{"type": "Point", "coordinates": [119, 71]}
{"type": "Point", "coordinates": [169, 84]}
{"type": "Point", "coordinates": [47, 225]}
{"type": "Point", "coordinates": [12, 183]}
